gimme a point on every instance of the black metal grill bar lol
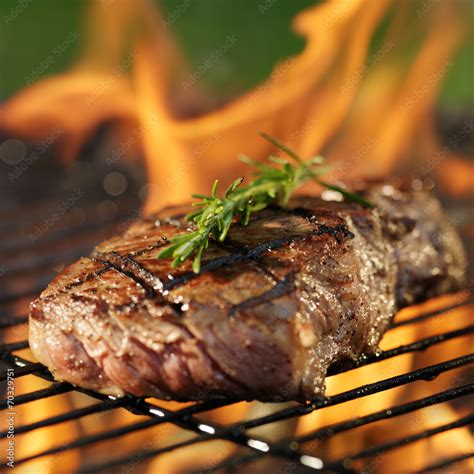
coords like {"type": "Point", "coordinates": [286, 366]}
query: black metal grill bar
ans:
{"type": "Point", "coordinates": [176, 417]}
{"type": "Point", "coordinates": [51, 391]}
{"type": "Point", "coordinates": [289, 448]}
{"type": "Point", "coordinates": [14, 321]}
{"type": "Point", "coordinates": [430, 314]}
{"type": "Point", "coordinates": [22, 371]}
{"type": "Point", "coordinates": [87, 229]}
{"type": "Point", "coordinates": [42, 262]}
{"type": "Point", "coordinates": [142, 456]}
{"type": "Point", "coordinates": [420, 345]}
{"type": "Point", "coordinates": [13, 346]}
{"type": "Point", "coordinates": [429, 373]}
{"type": "Point", "coordinates": [381, 448]}
{"type": "Point", "coordinates": [180, 418]}
{"type": "Point", "coordinates": [447, 462]}
{"type": "Point", "coordinates": [234, 432]}
{"type": "Point", "coordinates": [386, 414]}
{"type": "Point", "coordinates": [236, 435]}
{"type": "Point", "coordinates": [29, 214]}
{"type": "Point", "coordinates": [31, 292]}
{"type": "Point", "coordinates": [88, 440]}
{"type": "Point", "coordinates": [69, 416]}
{"type": "Point", "coordinates": [426, 373]}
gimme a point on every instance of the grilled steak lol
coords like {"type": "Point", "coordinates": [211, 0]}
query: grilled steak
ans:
{"type": "Point", "coordinates": [282, 299]}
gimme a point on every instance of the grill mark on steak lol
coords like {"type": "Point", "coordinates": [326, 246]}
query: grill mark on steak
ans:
{"type": "Point", "coordinates": [133, 269]}
{"type": "Point", "coordinates": [130, 268]}
{"type": "Point", "coordinates": [88, 277]}
{"type": "Point", "coordinates": [339, 232]}
{"type": "Point", "coordinates": [121, 268]}
{"type": "Point", "coordinates": [281, 288]}
{"type": "Point", "coordinates": [80, 281]}
{"type": "Point", "coordinates": [261, 266]}
{"type": "Point", "coordinates": [226, 260]}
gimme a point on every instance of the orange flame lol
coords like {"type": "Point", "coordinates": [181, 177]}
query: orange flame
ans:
{"type": "Point", "coordinates": [365, 112]}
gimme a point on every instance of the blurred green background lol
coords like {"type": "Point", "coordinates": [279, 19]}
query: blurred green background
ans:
{"type": "Point", "coordinates": [31, 29]}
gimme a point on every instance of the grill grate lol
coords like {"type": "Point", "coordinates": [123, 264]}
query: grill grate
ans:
{"type": "Point", "coordinates": [238, 432]}
{"type": "Point", "coordinates": [191, 419]}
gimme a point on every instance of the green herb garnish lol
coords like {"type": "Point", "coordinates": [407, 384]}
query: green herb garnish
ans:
{"type": "Point", "coordinates": [273, 184]}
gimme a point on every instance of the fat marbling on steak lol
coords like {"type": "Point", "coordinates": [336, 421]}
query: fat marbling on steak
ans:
{"type": "Point", "coordinates": [298, 289]}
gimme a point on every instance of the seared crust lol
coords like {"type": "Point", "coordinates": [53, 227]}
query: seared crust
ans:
{"type": "Point", "coordinates": [295, 291]}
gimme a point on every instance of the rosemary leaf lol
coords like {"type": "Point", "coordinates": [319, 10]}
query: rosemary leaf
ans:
{"type": "Point", "coordinates": [275, 182]}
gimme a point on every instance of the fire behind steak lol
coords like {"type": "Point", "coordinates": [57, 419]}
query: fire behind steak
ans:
{"type": "Point", "coordinates": [281, 300]}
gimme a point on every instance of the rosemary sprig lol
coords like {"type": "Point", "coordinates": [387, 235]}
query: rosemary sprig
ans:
{"type": "Point", "coordinates": [347, 194]}
{"type": "Point", "coordinates": [215, 214]}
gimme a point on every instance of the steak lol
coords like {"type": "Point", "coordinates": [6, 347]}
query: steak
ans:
{"type": "Point", "coordinates": [281, 300]}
